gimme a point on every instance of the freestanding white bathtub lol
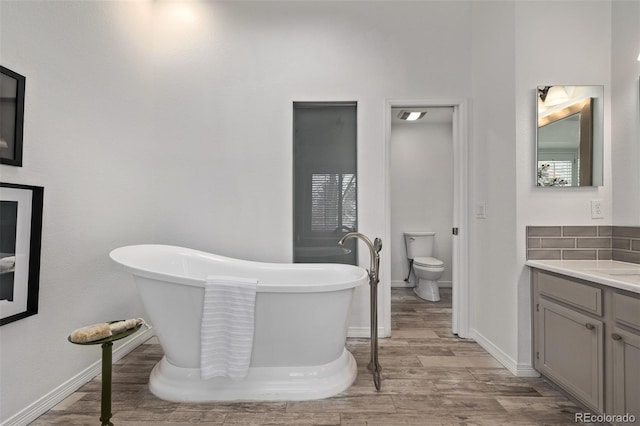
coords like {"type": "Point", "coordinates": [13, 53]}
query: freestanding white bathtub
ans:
{"type": "Point", "coordinates": [301, 319]}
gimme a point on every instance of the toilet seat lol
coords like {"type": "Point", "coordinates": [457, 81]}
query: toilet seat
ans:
{"type": "Point", "coordinates": [428, 262]}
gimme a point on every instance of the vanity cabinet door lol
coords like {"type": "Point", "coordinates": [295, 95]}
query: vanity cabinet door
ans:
{"type": "Point", "coordinates": [569, 351]}
{"type": "Point", "coordinates": [626, 372]}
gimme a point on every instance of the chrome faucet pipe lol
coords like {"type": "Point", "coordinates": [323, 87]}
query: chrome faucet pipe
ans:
{"type": "Point", "coordinates": [374, 279]}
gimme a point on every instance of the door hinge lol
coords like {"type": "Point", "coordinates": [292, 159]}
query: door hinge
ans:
{"type": "Point", "coordinates": [537, 307]}
{"type": "Point", "coordinates": [537, 355]}
{"type": "Point", "coordinates": [454, 231]}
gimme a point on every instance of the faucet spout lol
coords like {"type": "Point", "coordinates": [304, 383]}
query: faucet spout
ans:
{"type": "Point", "coordinates": [374, 250]}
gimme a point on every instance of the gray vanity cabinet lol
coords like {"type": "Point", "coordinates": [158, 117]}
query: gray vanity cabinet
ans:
{"type": "Point", "coordinates": [625, 348]}
{"type": "Point", "coordinates": [569, 344]}
{"type": "Point", "coordinates": [570, 351]}
{"type": "Point", "coordinates": [586, 339]}
{"type": "Point", "coordinates": [626, 372]}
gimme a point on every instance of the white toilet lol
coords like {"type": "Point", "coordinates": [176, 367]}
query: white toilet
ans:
{"type": "Point", "coordinates": [426, 269]}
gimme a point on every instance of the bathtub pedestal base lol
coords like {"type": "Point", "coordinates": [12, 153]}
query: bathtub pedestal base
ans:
{"type": "Point", "coordinates": [179, 384]}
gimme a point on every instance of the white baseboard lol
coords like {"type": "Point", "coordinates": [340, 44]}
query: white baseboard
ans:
{"type": "Point", "coordinates": [519, 370]}
{"type": "Point", "coordinates": [50, 400]}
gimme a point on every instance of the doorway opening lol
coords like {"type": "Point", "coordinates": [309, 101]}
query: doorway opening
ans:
{"type": "Point", "coordinates": [427, 191]}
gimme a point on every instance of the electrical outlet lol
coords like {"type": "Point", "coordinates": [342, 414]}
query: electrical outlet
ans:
{"type": "Point", "coordinates": [596, 209]}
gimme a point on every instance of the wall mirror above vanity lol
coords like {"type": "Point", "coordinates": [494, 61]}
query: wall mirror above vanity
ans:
{"type": "Point", "coordinates": [569, 136]}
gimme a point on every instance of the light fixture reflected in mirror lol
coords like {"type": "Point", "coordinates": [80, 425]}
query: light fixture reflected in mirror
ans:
{"type": "Point", "coordinates": [553, 95]}
{"type": "Point", "coordinates": [411, 115]}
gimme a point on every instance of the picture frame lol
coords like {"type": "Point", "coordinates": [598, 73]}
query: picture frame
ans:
{"type": "Point", "coordinates": [20, 246]}
{"type": "Point", "coordinates": [12, 87]}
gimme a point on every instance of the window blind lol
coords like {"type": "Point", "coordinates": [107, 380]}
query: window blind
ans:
{"type": "Point", "coordinates": [333, 202]}
{"type": "Point", "coordinates": [557, 171]}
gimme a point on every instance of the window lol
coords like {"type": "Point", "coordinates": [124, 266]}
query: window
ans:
{"type": "Point", "coordinates": [324, 180]}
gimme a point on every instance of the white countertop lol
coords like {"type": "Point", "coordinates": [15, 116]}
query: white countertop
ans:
{"type": "Point", "coordinates": [613, 273]}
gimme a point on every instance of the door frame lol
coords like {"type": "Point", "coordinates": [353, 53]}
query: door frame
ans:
{"type": "Point", "coordinates": [460, 267]}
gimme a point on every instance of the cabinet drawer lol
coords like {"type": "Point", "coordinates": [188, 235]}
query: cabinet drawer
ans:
{"type": "Point", "coordinates": [626, 310]}
{"type": "Point", "coordinates": [571, 292]}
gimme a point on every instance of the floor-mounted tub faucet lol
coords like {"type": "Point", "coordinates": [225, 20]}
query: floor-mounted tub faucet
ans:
{"type": "Point", "coordinates": [374, 279]}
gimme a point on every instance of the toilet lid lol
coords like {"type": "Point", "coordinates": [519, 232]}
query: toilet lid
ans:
{"type": "Point", "coordinates": [427, 261]}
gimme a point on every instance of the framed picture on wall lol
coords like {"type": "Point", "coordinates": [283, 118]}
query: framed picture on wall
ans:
{"type": "Point", "coordinates": [20, 242]}
{"type": "Point", "coordinates": [11, 116]}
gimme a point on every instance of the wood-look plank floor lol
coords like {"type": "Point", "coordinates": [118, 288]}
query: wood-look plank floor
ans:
{"type": "Point", "coordinates": [430, 377]}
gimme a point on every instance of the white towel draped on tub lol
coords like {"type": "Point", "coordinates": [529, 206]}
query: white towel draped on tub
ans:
{"type": "Point", "coordinates": [226, 334]}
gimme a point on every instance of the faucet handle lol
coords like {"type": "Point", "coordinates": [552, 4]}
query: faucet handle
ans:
{"type": "Point", "coordinates": [377, 245]}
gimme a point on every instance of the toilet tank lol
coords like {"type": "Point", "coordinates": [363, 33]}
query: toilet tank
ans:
{"type": "Point", "coordinates": [419, 244]}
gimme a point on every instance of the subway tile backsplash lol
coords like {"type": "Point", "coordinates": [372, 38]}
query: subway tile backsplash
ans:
{"type": "Point", "coordinates": [584, 243]}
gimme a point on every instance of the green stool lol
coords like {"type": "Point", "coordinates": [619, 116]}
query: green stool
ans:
{"type": "Point", "coordinates": [107, 346]}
